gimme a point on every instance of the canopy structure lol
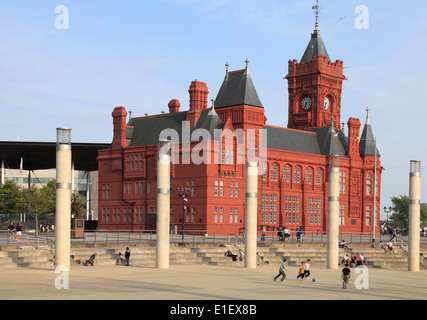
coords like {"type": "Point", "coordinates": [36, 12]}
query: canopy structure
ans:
{"type": "Point", "coordinates": [42, 155]}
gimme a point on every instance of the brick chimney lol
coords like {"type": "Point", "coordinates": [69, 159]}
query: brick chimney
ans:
{"type": "Point", "coordinates": [198, 96]}
{"type": "Point", "coordinates": [353, 133]}
{"type": "Point", "coordinates": [119, 123]}
{"type": "Point", "coordinates": [198, 100]}
{"type": "Point", "coordinates": [174, 106]}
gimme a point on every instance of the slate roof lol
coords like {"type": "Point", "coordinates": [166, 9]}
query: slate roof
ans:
{"type": "Point", "coordinates": [319, 141]}
{"type": "Point", "coordinates": [146, 130]}
{"type": "Point", "coordinates": [315, 47]}
{"type": "Point", "coordinates": [237, 89]}
{"type": "Point", "coordinates": [367, 143]}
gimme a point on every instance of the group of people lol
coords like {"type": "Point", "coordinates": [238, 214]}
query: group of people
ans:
{"type": "Point", "coordinates": [127, 256]}
{"type": "Point", "coordinates": [303, 271]}
{"type": "Point", "coordinates": [46, 227]}
{"type": "Point", "coordinates": [388, 247]}
{"type": "Point", "coordinates": [15, 232]}
{"type": "Point", "coordinates": [228, 253]}
{"type": "Point", "coordinates": [283, 234]}
{"type": "Point", "coordinates": [355, 260]}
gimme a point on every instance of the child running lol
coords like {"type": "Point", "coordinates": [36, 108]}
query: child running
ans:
{"type": "Point", "coordinates": [301, 271]}
{"type": "Point", "coordinates": [282, 270]}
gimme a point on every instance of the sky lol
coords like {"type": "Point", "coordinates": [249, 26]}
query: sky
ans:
{"type": "Point", "coordinates": [71, 68]}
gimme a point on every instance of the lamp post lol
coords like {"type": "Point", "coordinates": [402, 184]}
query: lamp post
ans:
{"type": "Point", "coordinates": [333, 211]}
{"type": "Point", "coordinates": [387, 212]}
{"type": "Point", "coordinates": [185, 194]}
{"type": "Point", "coordinates": [251, 205]}
{"type": "Point", "coordinates": [63, 198]}
{"type": "Point", "coordinates": [414, 216]}
{"type": "Point", "coordinates": [163, 204]}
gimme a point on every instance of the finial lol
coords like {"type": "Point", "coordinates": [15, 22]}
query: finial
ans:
{"type": "Point", "coordinates": [247, 63]}
{"type": "Point", "coordinates": [316, 8]}
{"type": "Point", "coordinates": [212, 111]}
{"type": "Point", "coordinates": [367, 115]}
{"type": "Point", "coordinates": [130, 114]}
{"type": "Point", "coordinates": [226, 66]}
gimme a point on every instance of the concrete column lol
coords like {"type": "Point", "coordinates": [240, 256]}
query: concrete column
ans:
{"type": "Point", "coordinates": [163, 206]}
{"type": "Point", "coordinates": [2, 173]}
{"type": "Point", "coordinates": [333, 213]}
{"type": "Point", "coordinates": [251, 212]}
{"type": "Point", "coordinates": [414, 216]}
{"type": "Point", "coordinates": [63, 198]}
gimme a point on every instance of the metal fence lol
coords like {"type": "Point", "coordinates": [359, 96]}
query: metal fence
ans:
{"type": "Point", "coordinates": [192, 237]}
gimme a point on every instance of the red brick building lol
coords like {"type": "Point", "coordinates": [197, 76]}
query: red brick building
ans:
{"type": "Point", "coordinates": [293, 187]}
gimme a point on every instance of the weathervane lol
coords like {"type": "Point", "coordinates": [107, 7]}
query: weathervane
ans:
{"type": "Point", "coordinates": [316, 8]}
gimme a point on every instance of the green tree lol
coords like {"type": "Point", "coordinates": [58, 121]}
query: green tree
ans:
{"type": "Point", "coordinates": [38, 202]}
{"type": "Point", "coordinates": [401, 212]}
{"type": "Point", "coordinates": [10, 198]}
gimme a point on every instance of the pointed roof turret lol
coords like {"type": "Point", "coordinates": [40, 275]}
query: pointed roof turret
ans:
{"type": "Point", "coordinates": [367, 145]}
{"type": "Point", "coordinates": [237, 89]}
{"type": "Point", "coordinates": [316, 46]}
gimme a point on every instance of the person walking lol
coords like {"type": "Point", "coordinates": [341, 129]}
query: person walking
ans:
{"type": "Point", "coordinates": [282, 270]}
{"type": "Point", "coordinates": [127, 255]}
{"type": "Point", "coordinates": [263, 233]}
{"type": "Point", "coordinates": [345, 276]}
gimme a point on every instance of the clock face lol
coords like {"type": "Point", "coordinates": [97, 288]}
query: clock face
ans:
{"type": "Point", "coordinates": [306, 103]}
{"type": "Point", "coordinates": [326, 103]}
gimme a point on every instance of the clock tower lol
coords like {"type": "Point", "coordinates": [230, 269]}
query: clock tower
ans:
{"type": "Point", "coordinates": [314, 87]}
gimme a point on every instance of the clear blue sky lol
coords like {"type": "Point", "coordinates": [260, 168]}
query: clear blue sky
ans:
{"type": "Point", "coordinates": [141, 54]}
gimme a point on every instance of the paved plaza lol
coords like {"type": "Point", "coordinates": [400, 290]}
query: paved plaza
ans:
{"type": "Point", "coordinates": [203, 282]}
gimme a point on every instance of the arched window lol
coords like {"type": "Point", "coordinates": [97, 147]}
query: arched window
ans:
{"type": "Point", "coordinates": [309, 175]}
{"type": "Point", "coordinates": [287, 169]}
{"type": "Point", "coordinates": [297, 174]}
{"type": "Point", "coordinates": [274, 171]}
{"type": "Point", "coordinates": [319, 176]}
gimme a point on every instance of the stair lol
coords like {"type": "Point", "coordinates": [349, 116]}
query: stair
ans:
{"type": "Point", "coordinates": [318, 256]}
{"type": "Point", "coordinates": [209, 255]}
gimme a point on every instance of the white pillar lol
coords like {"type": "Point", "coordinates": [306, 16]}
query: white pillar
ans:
{"type": "Point", "coordinates": [2, 173]}
{"type": "Point", "coordinates": [251, 211]}
{"type": "Point", "coordinates": [63, 198]}
{"type": "Point", "coordinates": [414, 216]}
{"type": "Point", "coordinates": [333, 212]}
{"type": "Point", "coordinates": [163, 206]}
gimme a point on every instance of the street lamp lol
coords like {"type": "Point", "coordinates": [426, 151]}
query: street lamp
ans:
{"type": "Point", "coordinates": [185, 194]}
{"type": "Point", "coordinates": [387, 212]}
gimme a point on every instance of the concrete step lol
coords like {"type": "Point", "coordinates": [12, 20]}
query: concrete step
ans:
{"type": "Point", "coordinates": [212, 255]}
